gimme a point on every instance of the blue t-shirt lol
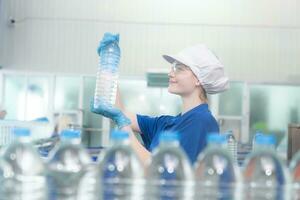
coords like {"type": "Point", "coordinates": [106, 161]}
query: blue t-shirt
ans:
{"type": "Point", "coordinates": [193, 127]}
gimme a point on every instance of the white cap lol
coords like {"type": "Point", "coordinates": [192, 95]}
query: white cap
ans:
{"type": "Point", "coordinates": [205, 65]}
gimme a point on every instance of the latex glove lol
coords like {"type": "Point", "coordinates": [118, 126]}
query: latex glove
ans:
{"type": "Point", "coordinates": [107, 110]}
{"type": "Point", "coordinates": [106, 40]}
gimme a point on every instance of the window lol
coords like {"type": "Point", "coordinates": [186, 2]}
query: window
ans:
{"type": "Point", "coordinates": [15, 97]}
{"type": "Point", "coordinates": [37, 98]}
{"type": "Point", "coordinates": [273, 107]}
{"type": "Point", "coordinates": [139, 98]}
{"type": "Point", "coordinates": [66, 93]}
{"type": "Point", "coordinates": [230, 101]}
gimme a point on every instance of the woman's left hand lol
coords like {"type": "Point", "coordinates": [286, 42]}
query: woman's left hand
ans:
{"type": "Point", "coordinates": [107, 110]}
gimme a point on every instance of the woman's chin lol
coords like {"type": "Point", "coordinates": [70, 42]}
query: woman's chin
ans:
{"type": "Point", "coordinates": [172, 90]}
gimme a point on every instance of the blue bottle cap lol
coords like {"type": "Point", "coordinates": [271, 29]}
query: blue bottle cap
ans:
{"type": "Point", "coordinates": [119, 135]}
{"type": "Point", "coordinates": [21, 132]}
{"type": "Point", "coordinates": [265, 140]}
{"type": "Point", "coordinates": [70, 134]}
{"type": "Point", "coordinates": [216, 138]}
{"type": "Point", "coordinates": [168, 136]}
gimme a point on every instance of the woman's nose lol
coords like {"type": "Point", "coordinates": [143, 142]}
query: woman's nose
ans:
{"type": "Point", "coordinates": [171, 73]}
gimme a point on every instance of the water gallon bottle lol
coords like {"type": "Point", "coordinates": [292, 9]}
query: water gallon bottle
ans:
{"type": "Point", "coordinates": [89, 184]}
{"type": "Point", "coordinates": [232, 145]}
{"type": "Point", "coordinates": [107, 73]}
{"type": "Point", "coordinates": [295, 176]}
{"type": "Point", "coordinates": [6, 178]}
{"type": "Point", "coordinates": [67, 165]}
{"type": "Point", "coordinates": [28, 178]}
{"type": "Point", "coordinates": [121, 172]}
{"type": "Point", "coordinates": [265, 175]}
{"type": "Point", "coordinates": [170, 174]}
{"type": "Point", "coordinates": [217, 176]}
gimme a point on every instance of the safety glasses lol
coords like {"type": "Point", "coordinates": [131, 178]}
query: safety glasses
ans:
{"type": "Point", "coordinates": [179, 68]}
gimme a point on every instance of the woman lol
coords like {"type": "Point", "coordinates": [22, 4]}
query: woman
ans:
{"type": "Point", "coordinates": [195, 72]}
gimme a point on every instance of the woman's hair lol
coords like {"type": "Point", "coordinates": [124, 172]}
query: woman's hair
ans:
{"type": "Point", "coordinates": [203, 95]}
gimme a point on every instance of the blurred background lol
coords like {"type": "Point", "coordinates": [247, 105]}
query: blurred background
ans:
{"type": "Point", "coordinates": [48, 59]}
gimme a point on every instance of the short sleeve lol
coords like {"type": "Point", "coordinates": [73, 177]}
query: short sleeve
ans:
{"type": "Point", "coordinates": [148, 127]}
{"type": "Point", "coordinates": [151, 126]}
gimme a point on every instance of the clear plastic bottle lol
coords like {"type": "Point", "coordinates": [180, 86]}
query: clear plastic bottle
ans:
{"type": "Point", "coordinates": [89, 184]}
{"type": "Point", "coordinates": [107, 74]}
{"type": "Point", "coordinates": [68, 164]}
{"type": "Point", "coordinates": [232, 145]}
{"type": "Point", "coordinates": [27, 173]}
{"type": "Point", "coordinates": [265, 175]}
{"type": "Point", "coordinates": [217, 176]}
{"type": "Point", "coordinates": [6, 178]}
{"type": "Point", "coordinates": [121, 172]}
{"type": "Point", "coordinates": [170, 174]}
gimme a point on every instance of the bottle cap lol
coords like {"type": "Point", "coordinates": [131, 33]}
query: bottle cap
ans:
{"type": "Point", "coordinates": [70, 134]}
{"type": "Point", "coordinates": [21, 132]}
{"type": "Point", "coordinates": [119, 135]}
{"type": "Point", "coordinates": [265, 140]}
{"type": "Point", "coordinates": [216, 138]}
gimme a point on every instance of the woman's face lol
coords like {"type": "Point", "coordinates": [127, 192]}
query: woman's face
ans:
{"type": "Point", "coordinates": [182, 80]}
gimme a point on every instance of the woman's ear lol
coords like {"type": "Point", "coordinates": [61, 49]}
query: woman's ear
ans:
{"type": "Point", "coordinates": [198, 83]}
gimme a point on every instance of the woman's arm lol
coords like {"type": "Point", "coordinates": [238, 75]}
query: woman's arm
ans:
{"type": "Point", "coordinates": [132, 116]}
{"type": "Point", "coordinates": [141, 151]}
{"type": "Point", "coordinates": [124, 123]}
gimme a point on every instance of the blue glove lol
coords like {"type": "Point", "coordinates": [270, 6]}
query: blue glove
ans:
{"type": "Point", "coordinates": [107, 110]}
{"type": "Point", "coordinates": [106, 40]}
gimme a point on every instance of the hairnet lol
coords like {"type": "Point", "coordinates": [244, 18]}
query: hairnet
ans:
{"type": "Point", "coordinates": [205, 65]}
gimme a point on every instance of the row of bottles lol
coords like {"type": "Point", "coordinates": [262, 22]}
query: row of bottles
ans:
{"type": "Point", "coordinates": [22, 171]}
{"type": "Point", "coordinates": [68, 172]}
{"type": "Point", "coordinates": [215, 175]}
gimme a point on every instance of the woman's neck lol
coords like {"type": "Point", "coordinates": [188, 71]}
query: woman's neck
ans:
{"type": "Point", "coordinates": [190, 102]}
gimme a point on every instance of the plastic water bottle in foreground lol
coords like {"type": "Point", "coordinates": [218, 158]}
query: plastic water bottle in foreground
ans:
{"type": "Point", "coordinates": [67, 165]}
{"type": "Point", "coordinates": [89, 184]}
{"type": "Point", "coordinates": [170, 174]}
{"type": "Point", "coordinates": [28, 180]}
{"type": "Point", "coordinates": [6, 179]}
{"type": "Point", "coordinates": [217, 176]}
{"type": "Point", "coordinates": [265, 175]}
{"type": "Point", "coordinates": [121, 172]}
{"type": "Point", "coordinates": [107, 74]}
{"type": "Point", "coordinates": [232, 145]}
